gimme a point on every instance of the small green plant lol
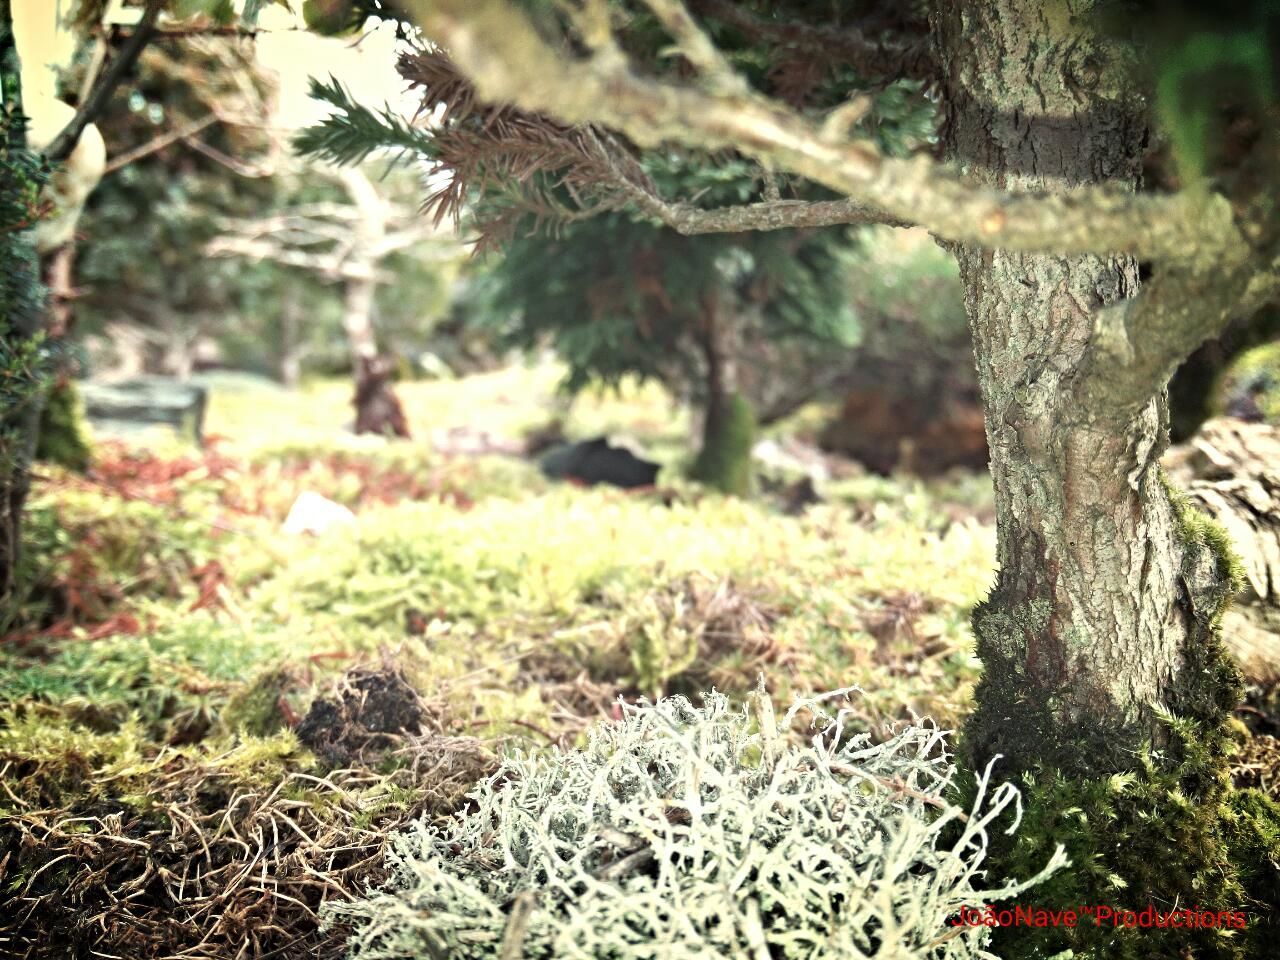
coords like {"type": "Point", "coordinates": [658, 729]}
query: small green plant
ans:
{"type": "Point", "coordinates": [661, 647]}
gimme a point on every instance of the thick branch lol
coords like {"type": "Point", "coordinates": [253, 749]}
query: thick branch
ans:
{"type": "Point", "coordinates": [94, 104]}
{"type": "Point", "coordinates": [626, 178]}
{"type": "Point", "coordinates": [510, 63]}
{"type": "Point", "coordinates": [768, 215]}
{"type": "Point", "coordinates": [1139, 343]}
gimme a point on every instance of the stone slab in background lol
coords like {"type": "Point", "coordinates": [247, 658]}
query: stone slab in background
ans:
{"type": "Point", "coordinates": [129, 405]}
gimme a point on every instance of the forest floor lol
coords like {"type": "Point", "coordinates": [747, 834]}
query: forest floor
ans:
{"type": "Point", "coordinates": [201, 715]}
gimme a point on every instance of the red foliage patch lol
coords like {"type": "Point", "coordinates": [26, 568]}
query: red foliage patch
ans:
{"type": "Point", "coordinates": [141, 475]}
{"type": "Point", "coordinates": [82, 596]}
{"type": "Point", "coordinates": [375, 483]}
{"type": "Point", "coordinates": [211, 577]}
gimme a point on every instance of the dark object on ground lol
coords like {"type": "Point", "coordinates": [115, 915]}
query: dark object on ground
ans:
{"type": "Point", "coordinates": [129, 404]}
{"type": "Point", "coordinates": [799, 495]}
{"type": "Point", "coordinates": [378, 408]}
{"type": "Point", "coordinates": [596, 461]}
{"type": "Point", "coordinates": [372, 709]}
{"type": "Point", "coordinates": [1231, 470]}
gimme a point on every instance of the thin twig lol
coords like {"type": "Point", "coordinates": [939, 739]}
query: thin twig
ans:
{"type": "Point", "coordinates": [158, 144]}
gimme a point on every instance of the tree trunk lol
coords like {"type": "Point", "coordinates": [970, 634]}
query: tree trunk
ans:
{"type": "Point", "coordinates": [1100, 619]}
{"type": "Point", "coordinates": [378, 409]}
{"type": "Point", "coordinates": [729, 424]}
{"type": "Point", "coordinates": [63, 435]}
{"type": "Point", "coordinates": [21, 316]}
{"type": "Point", "coordinates": [291, 349]}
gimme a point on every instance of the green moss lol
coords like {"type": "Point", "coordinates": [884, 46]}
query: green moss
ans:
{"type": "Point", "coordinates": [1209, 557]}
{"type": "Point", "coordinates": [1151, 836]}
{"type": "Point", "coordinates": [1252, 379]}
{"type": "Point", "coordinates": [63, 436]}
{"type": "Point", "coordinates": [255, 708]}
{"type": "Point", "coordinates": [725, 459]}
{"type": "Point", "coordinates": [1165, 829]}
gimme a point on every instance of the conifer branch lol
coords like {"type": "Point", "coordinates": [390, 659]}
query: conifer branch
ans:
{"type": "Point", "coordinates": [510, 63]}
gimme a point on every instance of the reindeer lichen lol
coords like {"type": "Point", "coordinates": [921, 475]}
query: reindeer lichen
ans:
{"type": "Point", "coordinates": [684, 832]}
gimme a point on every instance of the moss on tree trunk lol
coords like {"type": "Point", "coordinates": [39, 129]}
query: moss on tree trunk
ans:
{"type": "Point", "coordinates": [63, 436]}
{"type": "Point", "coordinates": [728, 434]}
{"type": "Point", "coordinates": [1105, 683]}
{"type": "Point", "coordinates": [729, 426]}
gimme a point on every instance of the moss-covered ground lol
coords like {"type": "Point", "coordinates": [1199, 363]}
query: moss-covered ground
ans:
{"type": "Point", "coordinates": [208, 726]}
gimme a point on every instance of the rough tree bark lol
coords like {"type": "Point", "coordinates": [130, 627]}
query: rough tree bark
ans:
{"type": "Point", "coordinates": [1093, 628]}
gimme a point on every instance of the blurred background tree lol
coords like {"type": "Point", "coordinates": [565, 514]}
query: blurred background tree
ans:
{"type": "Point", "coordinates": [618, 297]}
{"type": "Point", "coordinates": [747, 327]}
{"type": "Point", "coordinates": [197, 152]}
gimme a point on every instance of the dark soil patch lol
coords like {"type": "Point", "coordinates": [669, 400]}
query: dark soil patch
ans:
{"type": "Point", "coordinates": [372, 709]}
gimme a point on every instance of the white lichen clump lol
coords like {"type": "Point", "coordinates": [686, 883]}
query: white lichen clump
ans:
{"type": "Point", "coordinates": [684, 832]}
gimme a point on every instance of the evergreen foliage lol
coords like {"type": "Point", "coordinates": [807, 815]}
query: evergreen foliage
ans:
{"type": "Point", "coordinates": [616, 296]}
{"type": "Point", "coordinates": [23, 362]}
{"type": "Point", "coordinates": [352, 131]}
{"type": "Point", "coordinates": [21, 176]}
